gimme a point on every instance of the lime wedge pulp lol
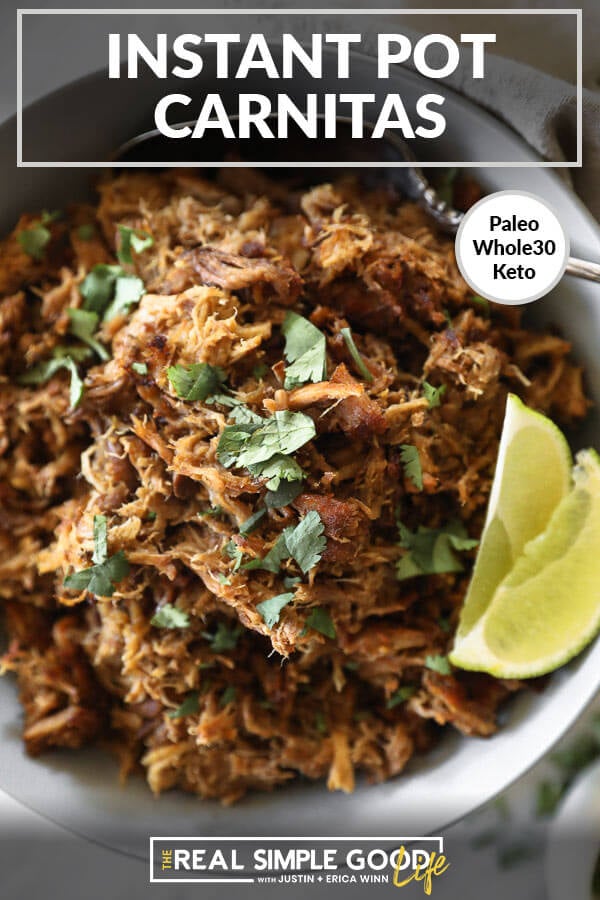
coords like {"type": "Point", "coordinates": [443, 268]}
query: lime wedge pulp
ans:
{"type": "Point", "coordinates": [532, 477]}
{"type": "Point", "coordinates": [547, 608]}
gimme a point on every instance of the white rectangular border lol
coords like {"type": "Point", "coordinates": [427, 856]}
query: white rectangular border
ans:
{"type": "Point", "coordinates": [284, 839]}
{"type": "Point", "coordinates": [294, 12]}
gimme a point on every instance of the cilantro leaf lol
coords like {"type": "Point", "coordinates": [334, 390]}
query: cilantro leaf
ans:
{"type": "Point", "coordinates": [195, 382]}
{"type": "Point", "coordinates": [140, 367]}
{"type": "Point", "coordinates": [100, 554]}
{"type": "Point", "coordinates": [33, 240]}
{"type": "Point", "coordinates": [224, 638]}
{"type": "Point", "coordinates": [98, 286]}
{"type": "Point", "coordinates": [132, 239]}
{"type": "Point", "coordinates": [431, 550]}
{"type": "Point", "coordinates": [169, 616]}
{"type": "Point", "coordinates": [283, 495]}
{"type": "Point", "coordinates": [305, 349]}
{"type": "Point", "coordinates": [86, 232]}
{"type": "Point", "coordinates": [62, 358]}
{"type": "Point", "coordinates": [272, 561]}
{"type": "Point", "coordinates": [403, 694]}
{"type": "Point", "coordinates": [83, 323]}
{"type": "Point", "coordinates": [432, 394]}
{"type": "Point", "coordinates": [270, 609]}
{"type": "Point", "coordinates": [303, 542]}
{"type": "Point", "coordinates": [409, 457]}
{"type": "Point", "coordinates": [190, 705]}
{"type": "Point", "coordinates": [228, 695]}
{"type": "Point", "coordinates": [306, 542]}
{"type": "Point", "coordinates": [320, 620]}
{"type": "Point", "coordinates": [251, 523]}
{"type": "Point", "coordinates": [284, 433]}
{"type": "Point", "coordinates": [482, 303]}
{"type": "Point", "coordinates": [438, 664]}
{"type": "Point", "coordinates": [129, 289]}
{"type": "Point", "coordinates": [278, 469]}
{"type": "Point", "coordinates": [235, 552]}
{"type": "Point", "coordinates": [101, 578]}
{"type": "Point", "coordinates": [353, 350]}
{"type": "Point", "coordinates": [320, 721]}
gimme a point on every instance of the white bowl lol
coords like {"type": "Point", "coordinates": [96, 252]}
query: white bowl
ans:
{"type": "Point", "coordinates": [573, 845]}
{"type": "Point", "coordinates": [80, 790]}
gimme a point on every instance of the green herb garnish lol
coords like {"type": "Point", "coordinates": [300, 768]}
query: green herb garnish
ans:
{"type": "Point", "coordinates": [320, 620]}
{"type": "Point", "coordinates": [195, 382]}
{"type": "Point", "coordinates": [83, 324]}
{"type": "Point", "coordinates": [169, 616]}
{"type": "Point", "coordinates": [432, 394]}
{"type": "Point", "coordinates": [190, 705]}
{"type": "Point", "coordinates": [304, 543]}
{"type": "Point", "coordinates": [109, 291]}
{"type": "Point", "coordinates": [270, 609]}
{"type": "Point", "coordinates": [432, 550]}
{"type": "Point", "coordinates": [224, 638]}
{"type": "Point", "coordinates": [438, 664]}
{"type": "Point", "coordinates": [409, 456]}
{"type": "Point", "coordinates": [228, 695]}
{"type": "Point", "coordinates": [400, 696]}
{"type": "Point", "coordinates": [353, 350]}
{"type": "Point", "coordinates": [252, 522]}
{"type": "Point", "coordinates": [86, 232]}
{"type": "Point", "coordinates": [62, 358]}
{"type": "Point", "coordinates": [304, 350]}
{"type": "Point", "coordinates": [140, 368]}
{"type": "Point", "coordinates": [132, 239]}
{"type": "Point", "coordinates": [101, 578]}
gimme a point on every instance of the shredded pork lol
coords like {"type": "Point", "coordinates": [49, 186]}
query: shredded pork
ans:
{"type": "Point", "coordinates": [229, 259]}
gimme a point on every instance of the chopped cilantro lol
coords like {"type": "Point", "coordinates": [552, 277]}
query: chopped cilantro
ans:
{"type": "Point", "coordinates": [409, 457]}
{"type": "Point", "coordinates": [260, 371]}
{"type": "Point", "coordinates": [400, 696]}
{"type": "Point", "coordinates": [270, 609]}
{"type": "Point", "coordinates": [140, 367]}
{"type": "Point", "coordinates": [169, 616]}
{"type": "Point", "coordinates": [278, 470]}
{"type": "Point", "coordinates": [432, 394]}
{"type": "Point", "coordinates": [132, 239]}
{"type": "Point", "coordinates": [251, 523]}
{"type": "Point", "coordinates": [305, 349]}
{"type": "Point", "coordinates": [284, 494]}
{"type": "Point", "coordinates": [228, 695]}
{"type": "Point", "coordinates": [62, 358]}
{"type": "Point", "coordinates": [190, 705]}
{"type": "Point", "coordinates": [303, 542]}
{"type": "Point", "coordinates": [353, 350]}
{"type": "Point", "coordinates": [33, 241]}
{"type": "Point", "coordinates": [195, 382]}
{"type": "Point", "coordinates": [234, 552]}
{"type": "Point", "coordinates": [101, 578]}
{"type": "Point", "coordinates": [151, 516]}
{"type": "Point", "coordinates": [98, 286]}
{"type": "Point", "coordinates": [438, 664]}
{"type": "Point", "coordinates": [291, 580]}
{"type": "Point", "coordinates": [83, 324]}
{"type": "Point", "coordinates": [211, 513]}
{"type": "Point", "coordinates": [444, 624]}
{"type": "Point", "coordinates": [109, 291]}
{"type": "Point", "coordinates": [86, 232]}
{"type": "Point", "coordinates": [320, 721]}
{"type": "Point", "coordinates": [224, 638]}
{"type": "Point", "coordinates": [223, 579]}
{"type": "Point", "coordinates": [283, 433]}
{"type": "Point", "coordinates": [129, 289]}
{"type": "Point", "coordinates": [431, 550]}
{"type": "Point", "coordinates": [320, 620]}
{"type": "Point", "coordinates": [100, 553]}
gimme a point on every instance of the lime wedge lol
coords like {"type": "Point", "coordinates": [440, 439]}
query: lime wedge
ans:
{"type": "Point", "coordinates": [547, 608]}
{"type": "Point", "coordinates": [532, 477]}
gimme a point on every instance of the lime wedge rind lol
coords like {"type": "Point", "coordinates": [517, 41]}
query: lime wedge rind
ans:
{"type": "Point", "coordinates": [547, 608]}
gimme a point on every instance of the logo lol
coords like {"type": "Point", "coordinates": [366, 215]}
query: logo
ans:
{"type": "Point", "coordinates": [392, 862]}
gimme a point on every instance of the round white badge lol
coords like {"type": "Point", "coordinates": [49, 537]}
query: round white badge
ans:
{"type": "Point", "coordinates": [511, 248]}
